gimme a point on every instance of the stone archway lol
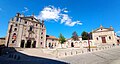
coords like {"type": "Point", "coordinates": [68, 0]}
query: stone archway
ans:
{"type": "Point", "coordinates": [28, 44]}
{"type": "Point", "coordinates": [22, 43]}
{"type": "Point", "coordinates": [34, 44]}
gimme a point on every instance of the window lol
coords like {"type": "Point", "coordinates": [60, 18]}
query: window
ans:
{"type": "Point", "coordinates": [13, 41]}
{"type": "Point", "coordinates": [31, 27]}
{"type": "Point", "coordinates": [15, 29]}
{"type": "Point", "coordinates": [36, 24]}
{"type": "Point", "coordinates": [17, 19]}
{"type": "Point", "coordinates": [41, 43]}
{"type": "Point", "coordinates": [109, 37]}
{"type": "Point", "coordinates": [16, 25]}
{"type": "Point", "coordinates": [41, 37]}
{"type": "Point", "coordinates": [97, 38]}
{"type": "Point", "coordinates": [14, 33]}
{"type": "Point", "coordinates": [42, 25]}
{"type": "Point", "coordinates": [25, 22]}
{"type": "Point", "coordinates": [52, 39]}
{"type": "Point", "coordinates": [41, 33]}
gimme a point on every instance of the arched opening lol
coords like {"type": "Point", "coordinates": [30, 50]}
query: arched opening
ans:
{"type": "Point", "coordinates": [22, 43]}
{"type": "Point", "coordinates": [34, 44]}
{"type": "Point", "coordinates": [28, 44]}
{"type": "Point", "coordinates": [49, 45]}
{"type": "Point", "coordinates": [72, 45]}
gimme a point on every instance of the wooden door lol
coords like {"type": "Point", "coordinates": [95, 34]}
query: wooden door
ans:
{"type": "Point", "coordinates": [103, 40]}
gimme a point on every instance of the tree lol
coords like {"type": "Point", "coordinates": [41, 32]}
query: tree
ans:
{"type": "Point", "coordinates": [84, 35]}
{"type": "Point", "coordinates": [61, 39]}
{"type": "Point", "coordinates": [75, 36]}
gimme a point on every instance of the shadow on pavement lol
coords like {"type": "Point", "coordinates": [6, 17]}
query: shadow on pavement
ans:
{"type": "Point", "coordinates": [11, 56]}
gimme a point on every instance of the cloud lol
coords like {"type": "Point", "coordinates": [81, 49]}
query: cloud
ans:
{"type": "Point", "coordinates": [57, 14]}
{"type": "Point", "coordinates": [25, 9]}
{"type": "Point", "coordinates": [118, 32]}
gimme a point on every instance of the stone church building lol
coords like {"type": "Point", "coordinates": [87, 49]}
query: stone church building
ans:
{"type": "Point", "coordinates": [26, 32]}
{"type": "Point", "coordinates": [104, 35]}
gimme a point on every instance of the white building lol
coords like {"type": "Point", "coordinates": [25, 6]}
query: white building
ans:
{"type": "Point", "coordinates": [104, 35]}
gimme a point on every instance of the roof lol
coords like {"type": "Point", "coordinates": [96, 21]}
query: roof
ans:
{"type": "Point", "coordinates": [29, 18]}
{"type": "Point", "coordinates": [102, 29]}
{"type": "Point", "coordinates": [50, 37]}
{"type": "Point", "coordinates": [3, 38]}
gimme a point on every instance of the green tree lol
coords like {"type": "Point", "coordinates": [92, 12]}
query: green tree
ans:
{"type": "Point", "coordinates": [61, 39]}
{"type": "Point", "coordinates": [84, 35]}
{"type": "Point", "coordinates": [75, 36]}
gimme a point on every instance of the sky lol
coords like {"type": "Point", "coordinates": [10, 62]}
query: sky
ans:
{"type": "Point", "coordinates": [64, 16]}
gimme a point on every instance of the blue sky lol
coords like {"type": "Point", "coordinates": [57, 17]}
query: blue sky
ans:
{"type": "Point", "coordinates": [67, 15]}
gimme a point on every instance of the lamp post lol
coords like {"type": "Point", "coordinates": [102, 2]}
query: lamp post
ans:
{"type": "Point", "coordinates": [88, 42]}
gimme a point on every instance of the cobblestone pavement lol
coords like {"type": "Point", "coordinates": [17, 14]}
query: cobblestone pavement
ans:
{"type": "Point", "coordinates": [109, 56]}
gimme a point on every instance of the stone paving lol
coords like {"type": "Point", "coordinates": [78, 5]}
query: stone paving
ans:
{"type": "Point", "coordinates": [109, 56]}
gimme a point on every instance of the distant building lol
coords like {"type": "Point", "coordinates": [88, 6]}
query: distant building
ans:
{"type": "Point", "coordinates": [51, 41]}
{"type": "Point", "coordinates": [104, 35]}
{"type": "Point", "coordinates": [26, 32]}
{"type": "Point", "coordinates": [2, 41]}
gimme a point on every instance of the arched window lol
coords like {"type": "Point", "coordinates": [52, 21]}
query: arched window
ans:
{"type": "Point", "coordinates": [109, 37]}
{"type": "Point", "coordinates": [31, 27]}
{"type": "Point", "coordinates": [97, 38]}
{"type": "Point", "coordinates": [25, 22]}
{"type": "Point", "coordinates": [15, 29]}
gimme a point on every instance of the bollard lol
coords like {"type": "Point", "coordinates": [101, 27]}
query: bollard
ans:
{"type": "Point", "coordinates": [71, 53]}
{"type": "Point", "coordinates": [76, 52]}
{"type": "Point", "coordinates": [96, 49]}
{"type": "Point", "coordinates": [65, 53]}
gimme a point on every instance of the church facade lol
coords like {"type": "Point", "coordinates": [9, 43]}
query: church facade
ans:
{"type": "Point", "coordinates": [104, 35]}
{"type": "Point", "coordinates": [26, 32]}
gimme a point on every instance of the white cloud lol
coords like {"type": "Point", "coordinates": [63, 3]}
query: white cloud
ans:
{"type": "Point", "coordinates": [25, 9]}
{"type": "Point", "coordinates": [57, 14]}
{"type": "Point", "coordinates": [118, 32]}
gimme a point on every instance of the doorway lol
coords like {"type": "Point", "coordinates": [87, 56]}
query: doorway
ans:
{"type": "Point", "coordinates": [34, 44]}
{"type": "Point", "coordinates": [22, 43]}
{"type": "Point", "coordinates": [28, 44]}
{"type": "Point", "coordinates": [103, 40]}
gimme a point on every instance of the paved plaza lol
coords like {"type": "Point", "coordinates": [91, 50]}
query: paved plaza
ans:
{"type": "Point", "coordinates": [106, 56]}
{"type": "Point", "coordinates": [109, 56]}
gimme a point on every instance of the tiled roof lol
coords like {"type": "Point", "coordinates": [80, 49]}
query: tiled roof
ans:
{"type": "Point", "coordinates": [51, 37]}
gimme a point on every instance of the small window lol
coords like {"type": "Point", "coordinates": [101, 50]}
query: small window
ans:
{"type": "Point", "coordinates": [109, 37]}
{"type": "Point", "coordinates": [36, 24]}
{"type": "Point", "coordinates": [41, 37]}
{"type": "Point", "coordinates": [41, 43]}
{"type": "Point", "coordinates": [15, 29]}
{"type": "Point", "coordinates": [17, 19]}
{"type": "Point", "coordinates": [41, 33]}
{"type": "Point", "coordinates": [97, 38]}
{"type": "Point", "coordinates": [14, 33]}
{"type": "Point", "coordinates": [16, 25]}
{"type": "Point", "coordinates": [25, 22]}
{"type": "Point", "coordinates": [42, 25]}
{"type": "Point", "coordinates": [52, 39]}
{"type": "Point", "coordinates": [31, 27]}
{"type": "Point", "coordinates": [13, 41]}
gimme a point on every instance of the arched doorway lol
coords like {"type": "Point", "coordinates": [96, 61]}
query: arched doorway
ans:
{"type": "Point", "coordinates": [28, 44]}
{"type": "Point", "coordinates": [34, 44]}
{"type": "Point", "coordinates": [72, 45]}
{"type": "Point", "coordinates": [49, 45]}
{"type": "Point", "coordinates": [22, 43]}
